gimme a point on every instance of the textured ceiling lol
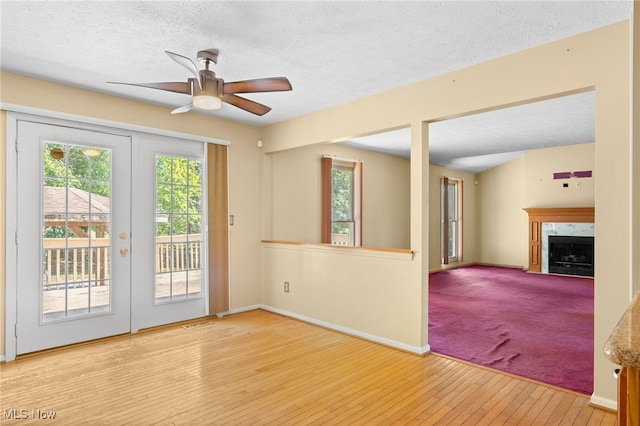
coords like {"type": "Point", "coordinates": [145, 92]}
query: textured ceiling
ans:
{"type": "Point", "coordinates": [481, 141]}
{"type": "Point", "coordinates": [332, 52]}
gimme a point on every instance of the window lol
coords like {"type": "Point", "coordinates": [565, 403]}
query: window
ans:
{"type": "Point", "coordinates": [341, 202]}
{"type": "Point", "coordinates": [451, 220]}
{"type": "Point", "coordinates": [76, 230]}
{"type": "Point", "coordinates": [178, 234]}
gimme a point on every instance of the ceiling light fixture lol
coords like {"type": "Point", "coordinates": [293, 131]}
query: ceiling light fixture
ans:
{"type": "Point", "coordinates": [207, 102]}
{"type": "Point", "coordinates": [91, 152]}
{"type": "Point", "coordinates": [208, 97]}
{"type": "Point", "coordinates": [56, 153]}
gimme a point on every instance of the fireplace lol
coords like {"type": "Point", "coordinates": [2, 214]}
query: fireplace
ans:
{"type": "Point", "coordinates": [571, 255]}
{"type": "Point", "coordinates": [546, 222]}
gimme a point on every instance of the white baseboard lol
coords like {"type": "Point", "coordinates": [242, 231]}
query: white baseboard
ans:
{"type": "Point", "coordinates": [239, 310]}
{"type": "Point", "coordinates": [2, 358]}
{"type": "Point", "coordinates": [604, 402]}
{"type": "Point", "coordinates": [371, 337]}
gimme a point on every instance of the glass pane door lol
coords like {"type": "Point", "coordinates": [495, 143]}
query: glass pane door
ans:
{"type": "Point", "coordinates": [169, 221]}
{"type": "Point", "coordinates": [78, 199]}
{"type": "Point", "coordinates": [178, 236]}
{"type": "Point", "coordinates": [76, 231]}
{"type": "Point", "coordinates": [73, 227]}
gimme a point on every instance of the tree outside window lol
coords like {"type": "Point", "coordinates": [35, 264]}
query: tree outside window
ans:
{"type": "Point", "coordinates": [342, 201]}
{"type": "Point", "coordinates": [70, 166]}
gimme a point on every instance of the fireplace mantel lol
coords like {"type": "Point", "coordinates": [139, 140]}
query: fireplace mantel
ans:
{"type": "Point", "coordinates": [538, 216]}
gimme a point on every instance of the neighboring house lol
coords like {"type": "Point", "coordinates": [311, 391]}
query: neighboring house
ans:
{"type": "Point", "coordinates": [384, 295]}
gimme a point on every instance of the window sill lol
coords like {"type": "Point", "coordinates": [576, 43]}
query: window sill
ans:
{"type": "Point", "coordinates": [395, 253]}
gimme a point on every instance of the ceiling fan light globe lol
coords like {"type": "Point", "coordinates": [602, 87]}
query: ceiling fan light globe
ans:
{"type": "Point", "coordinates": [207, 102]}
{"type": "Point", "coordinates": [91, 152]}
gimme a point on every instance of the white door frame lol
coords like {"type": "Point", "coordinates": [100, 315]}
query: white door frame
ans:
{"type": "Point", "coordinates": [148, 312]}
{"type": "Point", "coordinates": [19, 112]}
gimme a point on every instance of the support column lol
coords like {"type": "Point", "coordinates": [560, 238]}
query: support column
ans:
{"type": "Point", "coordinates": [420, 218]}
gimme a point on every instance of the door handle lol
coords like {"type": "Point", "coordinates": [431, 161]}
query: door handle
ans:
{"type": "Point", "coordinates": [124, 250]}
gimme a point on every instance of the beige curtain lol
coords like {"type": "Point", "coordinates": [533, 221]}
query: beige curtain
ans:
{"type": "Point", "coordinates": [445, 220]}
{"type": "Point", "coordinates": [218, 211]}
{"type": "Point", "coordinates": [357, 214]}
{"type": "Point", "coordinates": [326, 165]}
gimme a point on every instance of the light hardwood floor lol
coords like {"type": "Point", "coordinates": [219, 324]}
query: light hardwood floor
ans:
{"type": "Point", "coordinates": [261, 368]}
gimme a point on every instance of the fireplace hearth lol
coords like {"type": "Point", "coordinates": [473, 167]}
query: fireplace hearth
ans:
{"type": "Point", "coordinates": [571, 255]}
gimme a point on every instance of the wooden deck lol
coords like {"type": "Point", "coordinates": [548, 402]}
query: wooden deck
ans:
{"type": "Point", "coordinates": [261, 368]}
{"type": "Point", "coordinates": [76, 300]}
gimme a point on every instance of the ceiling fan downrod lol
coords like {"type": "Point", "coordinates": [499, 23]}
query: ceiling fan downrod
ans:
{"type": "Point", "coordinates": [208, 56]}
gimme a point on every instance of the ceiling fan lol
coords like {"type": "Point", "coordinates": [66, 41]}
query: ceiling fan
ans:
{"type": "Point", "coordinates": [208, 92]}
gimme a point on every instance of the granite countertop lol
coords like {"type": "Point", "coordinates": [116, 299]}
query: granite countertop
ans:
{"type": "Point", "coordinates": [623, 346]}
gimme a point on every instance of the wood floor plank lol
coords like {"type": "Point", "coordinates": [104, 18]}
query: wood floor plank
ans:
{"type": "Point", "coordinates": [437, 392]}
{"type": "Point", "coordinates": [560, 410]}
{"type": "Point", "coordinates": [424, 399]}
{"type": "Point", "coordinates": [507, 401]}
{"type": "Point", "coordinates": [597, 418]}
{"type": "Point", "coordinates": [260, 368]}
{"type": "Point", "coordinates": [488, 390]}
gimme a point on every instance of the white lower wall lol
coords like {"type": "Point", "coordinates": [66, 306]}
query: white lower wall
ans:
{"type": "Point", "coordinates": [373, 294]}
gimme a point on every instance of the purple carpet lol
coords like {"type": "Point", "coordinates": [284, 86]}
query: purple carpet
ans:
{"type": "Point", "coordinates": [536, 326]}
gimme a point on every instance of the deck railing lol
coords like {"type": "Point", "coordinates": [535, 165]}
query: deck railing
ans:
{"type": "Point", "coordinates": [177, 254]}
{"type": "Point", "coordinates": [72, 262]}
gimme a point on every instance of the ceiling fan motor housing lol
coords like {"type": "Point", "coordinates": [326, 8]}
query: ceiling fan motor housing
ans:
{"type": "Point", "coordinates": [209, 97]}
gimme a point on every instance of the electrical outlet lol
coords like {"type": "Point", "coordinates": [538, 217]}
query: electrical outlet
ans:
{"type": "Point", "coordinates": [286, 286]}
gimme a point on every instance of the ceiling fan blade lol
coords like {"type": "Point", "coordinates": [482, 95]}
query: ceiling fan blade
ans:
{"type": "Point", "coordinates": [246, 104]}
{"type": "Point", "coordinates": [185, 108]}
{"type": "Point", "coordinates": [187, 63]}
{"type": "Point", "coordinates": [177, 87]}
{"type": "Point", "coordinates": [274, 84]}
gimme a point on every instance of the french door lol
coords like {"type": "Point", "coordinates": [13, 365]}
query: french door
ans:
{"type": "Point", "coordinates": [104, 248]}
{"type": "Point", "coordinates": [73, 225]}
{"type": "Point", "coordinates": [169, 229]}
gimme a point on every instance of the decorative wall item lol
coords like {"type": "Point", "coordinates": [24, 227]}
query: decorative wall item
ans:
{"type": "Point", "coordinates": [569, 175]}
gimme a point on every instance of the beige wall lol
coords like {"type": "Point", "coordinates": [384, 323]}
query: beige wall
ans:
{"type": "Point", "coordinates": [245, 167]}
{"type": "Point", "coordinates": [245, 194]}
{"type": "Point", "coordinates": [503, 230]}
{"type": "Point", "coordinates": [296, 195]}
{"type": "Point", "coordinates": [469, 209]}
{"type": "Point", "coordinates": [504, 192]}
{"type": "Point", "coordinates": [597, 59]}
{"type": "Point", "coordinates": [541, 190]}
{"type": "Point", "coordinates": [323, 290]}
